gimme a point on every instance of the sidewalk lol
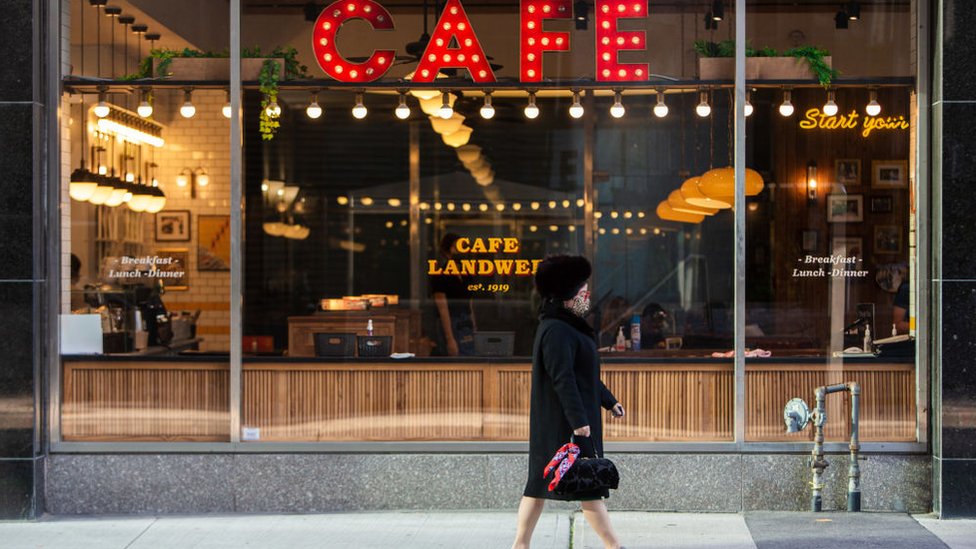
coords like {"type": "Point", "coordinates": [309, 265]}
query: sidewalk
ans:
{"type": "Point", "coordinates": [489, 530]}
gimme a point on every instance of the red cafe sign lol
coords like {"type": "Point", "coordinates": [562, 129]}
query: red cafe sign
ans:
{"type": "Point", "coordinates": [454, 27]}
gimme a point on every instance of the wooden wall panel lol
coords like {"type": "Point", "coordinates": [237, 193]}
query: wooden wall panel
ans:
{"type": "Point", "coordinates": [887, 401]}
{"type": "Point", "coordinates": [362, 402]}
{"type": "Point", "coordinates": [158, 401]}
{"type": "Point", "coordinates": [309, 402]}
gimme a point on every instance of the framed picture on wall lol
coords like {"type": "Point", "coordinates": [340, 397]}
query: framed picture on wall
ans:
{"type": "Point", "coordinates": [213, 243]}
{"type": "Point", "coordinates": [173, 226]}
{"type": "Point", "coordinates": [808, 240]}
{"type": "Point", "coordinates": [175, 273]}
{"type": "Point", "coordinates": [889, 174]}
{"type": "Point", "coordinates": [887, 239]}
{"type": "Point", "coordinates": [881, 204]}
{"type": "Point", "coordinates": [848, 246]}
{"type": "Point", "coordinates": [847, 171]}
{"type": "Point", "coordinates": [845, 208]}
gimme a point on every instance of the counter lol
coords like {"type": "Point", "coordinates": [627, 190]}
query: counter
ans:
{"type": "Point", "coordinates": [309, 399]}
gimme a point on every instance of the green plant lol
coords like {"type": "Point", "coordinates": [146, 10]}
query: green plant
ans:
{"type": "Point", "coordinates": [268, 78]}
{"type": "Point", "coordinates": [813, 55]}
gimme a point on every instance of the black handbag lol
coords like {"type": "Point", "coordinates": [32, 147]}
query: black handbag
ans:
{"type": "Point", "coordinates": [587, 475]}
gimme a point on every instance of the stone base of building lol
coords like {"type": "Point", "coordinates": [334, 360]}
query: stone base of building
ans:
{"type": "Point", "coordinates": [317, 483]}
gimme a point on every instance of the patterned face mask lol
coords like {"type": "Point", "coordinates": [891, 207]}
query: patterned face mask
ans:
{"type": "Point", "coordinates": [581, 304]}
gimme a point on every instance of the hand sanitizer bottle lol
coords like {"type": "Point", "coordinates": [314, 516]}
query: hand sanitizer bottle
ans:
{"type": "Point", "coordinates": [894, 330]}
{"type": "Point", "coordinates": [867, 339]}
{"type": "Point", "coordinates": [621, 340]}
{"type": "Point", "coordinates": [635, 333]}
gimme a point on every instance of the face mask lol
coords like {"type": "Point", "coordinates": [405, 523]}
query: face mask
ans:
{"type": "Point", "coordinates": [581, 304]}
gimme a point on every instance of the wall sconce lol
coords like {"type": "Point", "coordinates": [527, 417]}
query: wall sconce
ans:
{"type": "Point", "coordinates": [812, 181]}
{"type": "Point", "coordinates": [193, 178]}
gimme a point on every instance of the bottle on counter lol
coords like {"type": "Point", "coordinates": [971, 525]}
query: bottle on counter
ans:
{"type": "Point", "coordinates": [621, 340]}
{"type": "Point", "coordinates": [867, 339]}
{"type": "Point", "coordinates": [369, 327]}
{"type": "Point", "coordinates": [635, 333]}
{"type": "Point", "coordinates": [894, 330]}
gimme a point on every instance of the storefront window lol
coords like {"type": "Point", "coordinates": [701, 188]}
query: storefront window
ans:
{"type": "Point", "coordinates": [145, 329]}
{"type": "Point", "coordinates": [829, 237]}
{"type": "Point", "coordinates": [402, 178]}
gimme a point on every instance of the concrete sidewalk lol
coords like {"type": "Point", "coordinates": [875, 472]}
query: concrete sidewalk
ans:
{"type": "Point", "coordinates": [488, 530]}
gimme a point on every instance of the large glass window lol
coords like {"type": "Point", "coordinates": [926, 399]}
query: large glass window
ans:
{"type": "Point", "coordinates": [145, 327]}
{"type": "Point", "coordinates": [828, 238]}
{"type": "Point", "coordinates": [394, 211]}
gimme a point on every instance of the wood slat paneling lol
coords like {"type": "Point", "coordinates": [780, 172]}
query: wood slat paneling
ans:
{"type": "Point", "coordinates": [118, 401]}
{"type": "Point", "coordinates": [309, 402]}
{"type": "Point", "coordinates": [887, 402]}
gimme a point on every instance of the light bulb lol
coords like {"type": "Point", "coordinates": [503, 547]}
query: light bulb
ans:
{"type": "Point", "coordinates": [313, 110]}
{"type": "Point", "coordinates": [748, 106]}
{"type": "Point", "coordinates": [144, 109]}
{"type": "Point", "coordinates": [703, 109]}
{"type": "Point", "coordinates": [830, 107]}
{"type": "Point", "coordinates": [576, 109]}
{"type": "Point", "coordinates": [402, 111]}
{"type": "Point", "coordinates": [617, 110]}
{"type": "Point", "coordinates": [203, 179]}
{"type": "Point", "coordinates": [661, 109]}
{"type": "Point", "coordinates": [446, 111]}
{"type": "Point", "coordinates": [101, 110]}
{"type": "Point", "coordinates": [226, 110]}
{"type": "Point", "coordinates": [130, 177]}
{"type": "Point", "coordinates": [273, 110]}
{"type": "Point", "coordinates": [786, 108]}
{"type": "Point", "coordinates": [487, 110]}
{"type": "Point", "coordinates": [873, 108]}
{"type": "Point", "coordinates": [359, 111]}
{"type": "Point", "coordinates": [531, 110]}
{"type": "Point", "coordinates": [181, 180]}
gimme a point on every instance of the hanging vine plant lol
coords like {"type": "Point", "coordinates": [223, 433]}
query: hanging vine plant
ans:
{"type": "Point", "coordinates": [157, 65]}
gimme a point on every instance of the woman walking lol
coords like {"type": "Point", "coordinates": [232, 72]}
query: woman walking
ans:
{"type": "Point", "coordinates": [566, 392]}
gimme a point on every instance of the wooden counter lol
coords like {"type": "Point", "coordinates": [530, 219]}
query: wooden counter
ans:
{"type": "Point", "coordinates": [330, 400]}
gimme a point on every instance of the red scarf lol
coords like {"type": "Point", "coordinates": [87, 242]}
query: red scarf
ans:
{"type": "Point", "coordinates": [564, 458]}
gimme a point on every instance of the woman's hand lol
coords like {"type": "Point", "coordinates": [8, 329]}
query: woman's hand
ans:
{"type": "Point", "coordinates": [583, 431]}
{"type": "Point", "coordinates": [618, 411]}
{"type": "Point", "coordinates": [452, 348]}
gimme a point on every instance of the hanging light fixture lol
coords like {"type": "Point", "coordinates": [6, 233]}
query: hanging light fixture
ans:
{"type": "Point", "coordinates": [446, 127]}
{"type": "Point", "coordinates": [157, 202]}
{"type": "Point", "coordinates": [853, 10]}
{"type": "Point", "coordinates": [718, 10]}
{"type": "Point", "coordinates": [830, 107]}
{"type": "Point", "coordinates": [786, 107]}
{"type": "Point", "coordinates": [188, 110]}
{"type": "Point", "coordinates": [617, 110]}
{"type": "Point", "coordinates": [661, 108]}
{"type": "Point", "coordinates": [748, 106]}
{"type": "Point", "coordinates": [83, 181]}
{"type": "Point", "coordinates": [141, 198]}
{"type": "Point", "coordinates": [101, 108]}
{"type": "Point", "coordinates": [487, 110]}
{"type": "Point", "coordinates": [359, 110]}
{"type": "Point", "coordinates": [446, 111]}
{"type": "Point", "coordinates": [273, 109]}
{"type": "Point", "coordinates": [458, 138]}
{"type": "Point", "coordinates": [873, 108]}
{"type": "Point", "coordinates": [313, 110]}
{"type": "Point", "coordinates": [226, 110]}
{"type": "Point", "coordinates": [531, 110]}
{"type": "Point", "coordinates": [576, 109]}
{"type": "Point", "coordinates": [703, 109]}
{"type": "Point", "coordinates": [840, 20]}
{"type": "Point", "coordinates": [402, 111]}
{"type": "Point", "coordinates": [145, 109]}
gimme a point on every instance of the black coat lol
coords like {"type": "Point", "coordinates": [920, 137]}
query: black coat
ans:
{"type": "Point", "coordinates": [566, 394]}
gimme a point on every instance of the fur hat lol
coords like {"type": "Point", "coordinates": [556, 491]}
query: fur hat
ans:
{"type": "Point", "coordinates": [561, 276]}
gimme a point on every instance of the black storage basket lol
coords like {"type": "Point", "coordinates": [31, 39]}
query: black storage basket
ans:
{"type": "Point", "coordinates": [374, 345]}
{"type": "Point", "coordinates": [333, 344]}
